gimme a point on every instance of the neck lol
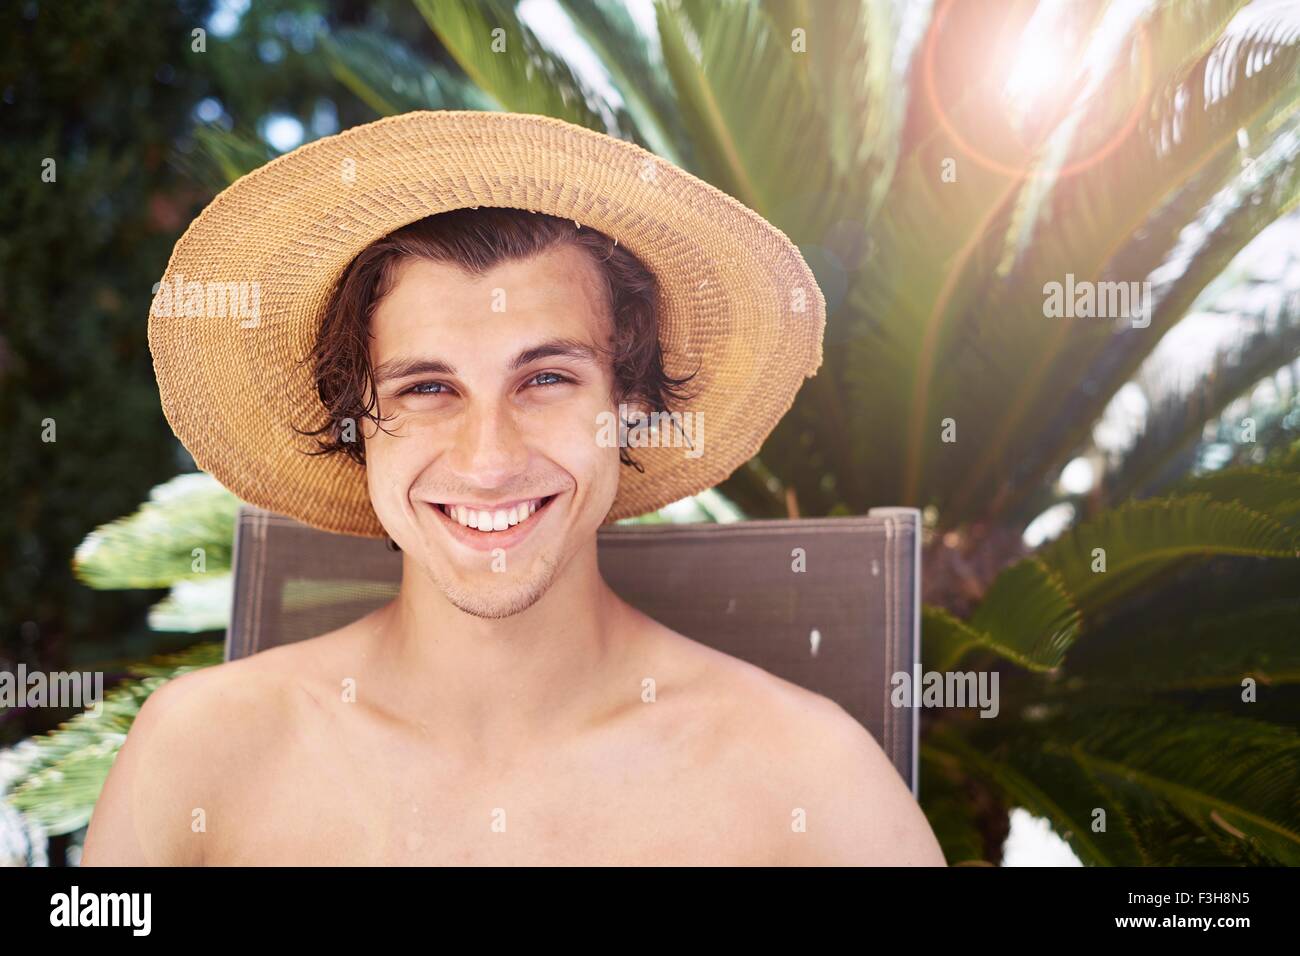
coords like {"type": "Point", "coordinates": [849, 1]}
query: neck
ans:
{"type": "Point", "coordinates": [496, 687]}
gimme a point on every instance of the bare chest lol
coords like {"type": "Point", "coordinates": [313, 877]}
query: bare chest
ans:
{"type": "Point", "coordinates": [387, 803]}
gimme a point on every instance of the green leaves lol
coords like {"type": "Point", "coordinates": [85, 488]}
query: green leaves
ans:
{"type": "Point", "coordinates": [1163, 774]}
{"type": "Point", "coordinates": [1027, 617]}
{"type": "Point", "coordinates": [193, 607]}
{"type": "Point", "coordinates": [946, 639]}
{"type": "Point", "coordinates": [1178, 418]}
{"type": "Point", "coordinates": [1018, 765]}
{"type": "Point", "coordinates": [1036, 608]}
{"type": "Point", "coordinates": [635, 65]}
{"type": "Point", "coordinates": [1123, 218]}
{"type": "Point", "coordinates": [724, 60]}
{"type": "Point", "coordinates": [1139, 540]}
{"type": "Point", "coordinates": [1272, 491]}
{"type": "Point", "coordinates": [390, 78]}
{"type": "Point", "coordinates": [856, 81]}
{"type": "Point", "coordinates": [155, 547]}
{"type": "Point", "coordinates": [1159, 777]}
{"type": "Point", "coordinates": [60, 779]}
{"type": "Point", "coordinates": [1163, 43]}
{"type": "Point", "coordinates": [223, 156]}
{"type": "Point", "coordinates": [181, 538]}
{"type": "Point", "coordinates": [1102, 736]}
{"type": "Point", "coordinates": [506, 61]}
{"type": "Point", "coordinates": [1208, 647]}
{"type": "Point", "coordinates": [949, 808]}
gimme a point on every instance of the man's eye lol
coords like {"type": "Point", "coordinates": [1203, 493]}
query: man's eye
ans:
{"type": "Point", "coordinates": [548, 378]}
{"type": "Point", "coordinates": [426, 388]}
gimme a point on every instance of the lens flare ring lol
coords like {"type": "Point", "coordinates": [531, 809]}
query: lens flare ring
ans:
{"type": "Point", "coordinates": [988, 162]}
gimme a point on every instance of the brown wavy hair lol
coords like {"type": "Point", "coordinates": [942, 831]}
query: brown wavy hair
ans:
{"type": "Point", "coordinates": [476, 239]}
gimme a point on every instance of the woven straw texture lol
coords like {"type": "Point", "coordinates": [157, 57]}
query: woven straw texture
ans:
{"type": "Point", "coordinates": [738, 303]}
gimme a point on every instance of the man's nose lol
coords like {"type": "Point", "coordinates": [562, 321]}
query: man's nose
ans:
{"type": "Point", "coordinates": [490, 450]}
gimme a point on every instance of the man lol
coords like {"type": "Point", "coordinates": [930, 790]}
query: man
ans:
{"type": "Point", "coordinates": [456, 366]}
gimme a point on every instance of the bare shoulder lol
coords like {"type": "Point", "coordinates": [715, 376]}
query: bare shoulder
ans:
{"type": "Point", "coordinates": [197, 741]}
{"type": "Point", "coordinates": [829, 791]}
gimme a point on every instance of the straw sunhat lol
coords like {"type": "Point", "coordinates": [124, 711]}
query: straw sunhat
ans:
{"type": "Point", "coordinates": [738, 303]}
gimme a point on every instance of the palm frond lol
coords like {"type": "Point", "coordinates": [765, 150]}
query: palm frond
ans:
{"type": "Point", "coordinates": [636, 67]}
{"type": "Point", "coordinates": [946, 639]}
{"type": "Point", "coordinates": [1027, 617]}
{"type": "Point", "coordinates": [1155, 51]}
{"type": "Point", "coordinates": [219, 156]}
{"type": "Point", "coordinates": [1215, 649]}
{"type": "Point", "coordinates": [1157, 775]}
{"type": "Point", "coordinates": [720, 57]}
{"type": "Point", "coordinates": [1028, 774]}
{"type": "Point", "coordinates": [1161, 451]}
{"type": "Point", "coordinates": [1270, 491]}
{"type": "Point", "coordinates": [63, 775]}
{"type": "Point", "coordinates": [1106, 204]}
{"type": "Point", "coordinates": [1182, 801]}
{"type": "Point", "coordinates": [390, 78]}
{"type": "Point", "coordinates": [504, 59]}
{"type": "Point", "coordinates": [184, 531]}
{"type": "Point", "coordinates": [858, 70]}
{"type": "Point", "coordinates": [1142, 539]}
{"type": "Point", "coordinates": [950, 809]}
{"type": "Point", "coordinates": [195, 606]}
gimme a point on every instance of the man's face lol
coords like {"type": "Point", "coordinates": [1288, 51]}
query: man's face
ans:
{"type": "Point", "coordinates": [495, 387]}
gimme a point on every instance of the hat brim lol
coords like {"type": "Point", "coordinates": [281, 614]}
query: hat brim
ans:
{"type": "Point", "coordinates": [739, 305]}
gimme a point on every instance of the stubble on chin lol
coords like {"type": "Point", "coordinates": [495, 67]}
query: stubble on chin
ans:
{"type": "Point", "coordinates": [497, 599]}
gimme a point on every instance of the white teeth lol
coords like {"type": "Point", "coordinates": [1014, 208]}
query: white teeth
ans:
{"type": "Point", "coordinates": [498, 520]}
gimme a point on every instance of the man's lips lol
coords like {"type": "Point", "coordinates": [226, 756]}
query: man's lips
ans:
{"type": "Point", "coordinates": [515, 521]}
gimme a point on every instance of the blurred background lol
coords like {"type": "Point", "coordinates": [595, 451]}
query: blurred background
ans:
{"type": "Point", "coordinates": [940, 165]}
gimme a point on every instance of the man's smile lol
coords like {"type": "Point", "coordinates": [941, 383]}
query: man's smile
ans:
{"type": "Point", "coordinates": [485, 526]}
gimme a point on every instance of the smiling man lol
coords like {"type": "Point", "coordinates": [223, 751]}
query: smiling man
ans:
{"type": "Point", "coordinates": [459, 366]}
{"type": "Point", "coordinates": [486, 470]}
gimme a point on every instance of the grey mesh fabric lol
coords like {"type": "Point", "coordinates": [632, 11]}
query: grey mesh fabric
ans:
{"type": "Point", "coordinates": [841, 626]}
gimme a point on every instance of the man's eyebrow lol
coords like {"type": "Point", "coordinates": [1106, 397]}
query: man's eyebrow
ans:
{"type": "Point", "coordinates": [405, 367]}
{"type": "Point", "coordinates": [555, 348]}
